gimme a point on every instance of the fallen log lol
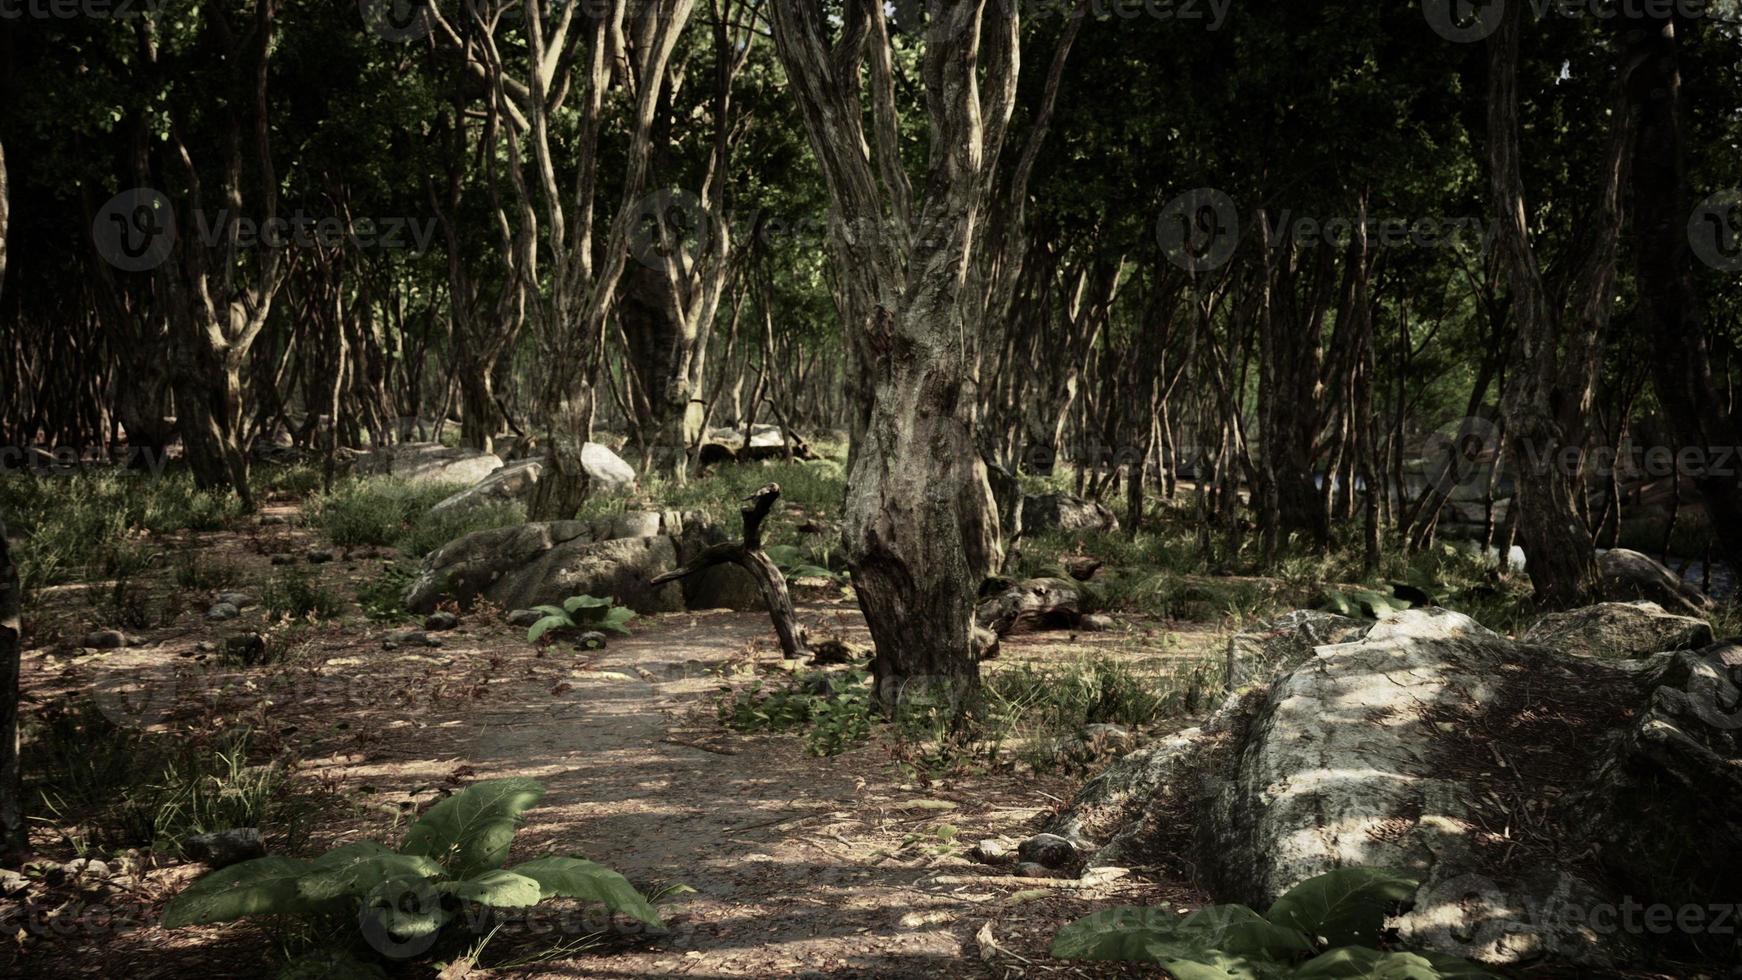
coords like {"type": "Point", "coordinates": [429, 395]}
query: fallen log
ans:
{"type": "Point", "coordinates": [748, 555]}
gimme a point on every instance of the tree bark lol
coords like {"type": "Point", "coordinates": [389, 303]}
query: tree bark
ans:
{"type": "Point", "coordinates": [12, 834]}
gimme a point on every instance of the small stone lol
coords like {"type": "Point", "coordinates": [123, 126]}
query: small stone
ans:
{"type": "Point", "coordinates": [1048, 850]}
{"type": "Point", "coordinates": [591, 640]}
{"type": "Point", "coordinates": [222, 611]}
{"type": "Point", "coordinates": [249, 648]}
{"type": "Point", "coordinates": [523, 617]}
{"type": "Point", "coordinates": [225, 847]}
{"type": "Point", "coordinates": [86, 868]}
{"type": "Point", "coordinates": [105, 639]}
{"type": "Point", "coordinates": [1095, 623]}
{"type": "Point", "coordinates": [1028, 869]}
{"type": "Point", "coordinates": [241, 600]}
{"type": "Point", "coordinates": [413, 638]}
{"type": "Point", "coordinates": [12, 883]}
{"type": "Point", "coordinates": [317, 556]}
{"type": "Point", "coordinates": [441, 621]}
{"type": "Point", "coordinates": [992, 850]}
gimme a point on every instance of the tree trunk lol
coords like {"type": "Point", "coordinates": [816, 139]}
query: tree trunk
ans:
{"type": "Point", "coordinates": [1670, 309]}
{"type": "Point", "coordinates": [12, 833]}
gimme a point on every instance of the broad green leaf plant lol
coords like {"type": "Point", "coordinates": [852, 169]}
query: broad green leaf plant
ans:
{"type": "Point", "coordinates": [402, 901]}
{"type": "Point", "coordinates": [1324, 927]}
{"type": "Point", "coordinates": [581, 612]}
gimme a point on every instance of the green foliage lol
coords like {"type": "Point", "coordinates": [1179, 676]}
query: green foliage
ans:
{"type": "Point", "coordinates": [795, 562]}
{"type": "Point", "coordinates": [1326, 926]}
{"type": "Point", "coordinates": [296, 595]}
{"type": "Point", "coordinates": [832, 708]}
{"type": "Point", "coordinates": [581, 612]}
{"type": "Point", "coordinates": [382, 595]}
{"type": "Point", "coordinates": [450, 859]}
{"type": "Point", "coordinates": [202, 572]}
{"type": "Point", "coordinates": [111, 787]}
{"type": "Point", "coordinates": [387, 511]}
{"type": "Point", "coordinates": [96, 522]}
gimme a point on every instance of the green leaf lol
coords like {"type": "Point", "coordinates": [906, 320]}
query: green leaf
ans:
{"type": "Point", "coordinates": [497, 888]}
{"type": "Point", "coordinates": [1360, 963]}
{"type": "Point", "coordinates": [470, 831]}
{"type": "Point", "coordinates": [545, 625]}
{"type": "Point", "coordinates": [616, 619]}
{"type": "Point", "coordinates": [566, 877]}
{"type": "Point", "coordinates": [359, 874]}
{"type": "Point", "coordinates": [1184, 961]}
{"type": "Point", "coordinates": [1239, 930]}
{"type": "Point", "coordinates": [263, 886]}
{"type": "Point", "coordinates": [405, 908]}
{"type": "Point", "coordinates": [1123, 933]}
{"type": "Point", "coordinates": [1344, 907]}
{"type": "Point", "coordinates": [577, 602]}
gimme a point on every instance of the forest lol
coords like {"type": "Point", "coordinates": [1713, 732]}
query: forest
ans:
{"type": "Point", "coordinates": [1215, 489]}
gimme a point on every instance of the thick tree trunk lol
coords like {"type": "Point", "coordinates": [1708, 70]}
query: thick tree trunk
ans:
{"type": "Point", "coordinates": [12, 834]}
{"type": "Point", "coordinates": [208, 409]}
{"type": "Point", "coordinates": [1670, 309]}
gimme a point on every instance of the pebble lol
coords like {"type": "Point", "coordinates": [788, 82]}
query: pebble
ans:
{"type": "Point", "coordinates": [441, 621]}
{"type": "Point", "coordinates": [222, 611]}
{"type": "Point", "coordinates": [1048, 851]}
{"type": "Point", "coordinates": [241, 600]}
{"type": "Point", "coordinates": [523, 617]}
{"type": "Point", "coordinates": [319, 557]}
{"type": "Point", "coordinates": [992, 850]}
{"type": "Point", "coordinates": [105, 639]}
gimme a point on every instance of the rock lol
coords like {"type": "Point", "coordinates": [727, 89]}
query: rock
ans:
{"type": "Point", "coordinates": [1063, 512]}
{"type": "Point", "coordinates": [89, 869]}
{"type": "Point", "coordinates": [413, 638]}
{"type": "Point", "coordinates": [543, 563]}
{"type": "Point", "coordinates": [428, 462]}
{"type": "Point", "coordinates": [1095, 623]}
{"type": "Point", "coordinates": [1049, 851]}
{"type": "Point", "coordinates": [225, 847]}
{"type": "Point", "coordinates": [241, 600]}
{"type": "Point", "coordinates": [591, 640]}
{"type": "Point", "coordinates": [1081, 567]}
{"type": "Point", "coordinates": [1036, 603]}
{"type": "Point", "coordinates": [1108, 739]}
{"type": "Point", "coordinates": [247, 648]}
{"type": "Point", "coordinates": [1630, 575]}
{"type": "Point", "coordinates": [993, 850]}
{"type": "Point", "coordinates": [222, 610]}
{"type": "Point", "coordinates": [1619, 629]}
{"type": "Point", "coordinates": [512, 483]}
{"type": "Point", "coordinates": [1663, 807]}
{"type": "Point", "coordinates": [319, 556]}
{"type": "Point", "coordinates": [762, 436]}
{"type": "Point", "coordinates": [523, 618]}
{"type": "Point", "coordinates": [105, 639]}
{"type": "Point", "coordinates": [1256, 655]}
{"type": "Point", "coordinates": [1034, 869]}
{"type": "Point", "coordinates": [442, 620]}
{"type": "Point", "coordinates": [605, 468]}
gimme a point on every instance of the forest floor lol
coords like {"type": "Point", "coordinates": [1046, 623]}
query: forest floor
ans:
{"type": "Point", "coordinates": [847, 865]}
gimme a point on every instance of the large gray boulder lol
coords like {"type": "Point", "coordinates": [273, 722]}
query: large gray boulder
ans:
{"type": "Point", "coordinates": [1618, 629]}
{"type": "Point", "coordinates": [546, 562]}
{"type": "Point", "coordinates": [1063, 512]}
{"type": "Point", "coordinates": [1486, 768]}
{"type": "Point", "coordinates": [511, 483]}
{"type": "Point", "coordinates": [1628, 575]}
{"type": "Point", "coordinates": [1259, 654]}
{"type": "Point", "coordinates": [428, 462]}
{"type": "Point", "coordinates": [605, 468]}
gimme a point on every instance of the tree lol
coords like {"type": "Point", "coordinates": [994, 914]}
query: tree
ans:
{"type": "Point", "coordinates": [921, 527]}
{"type": "Point", "coordinates": [11, 787]}
{"type": "Point", "coordinates": [1559, 349]}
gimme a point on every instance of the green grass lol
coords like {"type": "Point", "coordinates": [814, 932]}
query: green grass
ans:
{"type": "Point", "coordinates": [296, 595]}
{"type": "Point", "coordinates": [106, 787]}
{"type": "Point", "coordinates": [383, 511]}
{"type": "Point", "coordinates": [98, 523]}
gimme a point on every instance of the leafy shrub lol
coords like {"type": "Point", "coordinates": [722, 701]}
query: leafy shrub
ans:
{"type": "Point", "coordinates": [111, 786]}
{"type": "Point", "coordinates": [296, 595]}
{"type": "Point", "coordinates": [795, 562]}
{"type": "Point", "coordinates": [386, 511]}
{"type": "Point", "coordinates": [581, 612]}
{"type": "Point", "coordinates": [382, 597]}
{"type": "Point", "coordinates": [200, 572]}
{"type": "Point", "coordinates": [1326, 926]}
{"type": "Point", "coordinates": [834, 709]}
{"type": "Point", "coordinates": [402, 903]}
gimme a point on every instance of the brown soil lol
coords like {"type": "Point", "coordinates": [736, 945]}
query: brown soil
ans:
{"type": "Point", "coordinates": [842, 866]}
